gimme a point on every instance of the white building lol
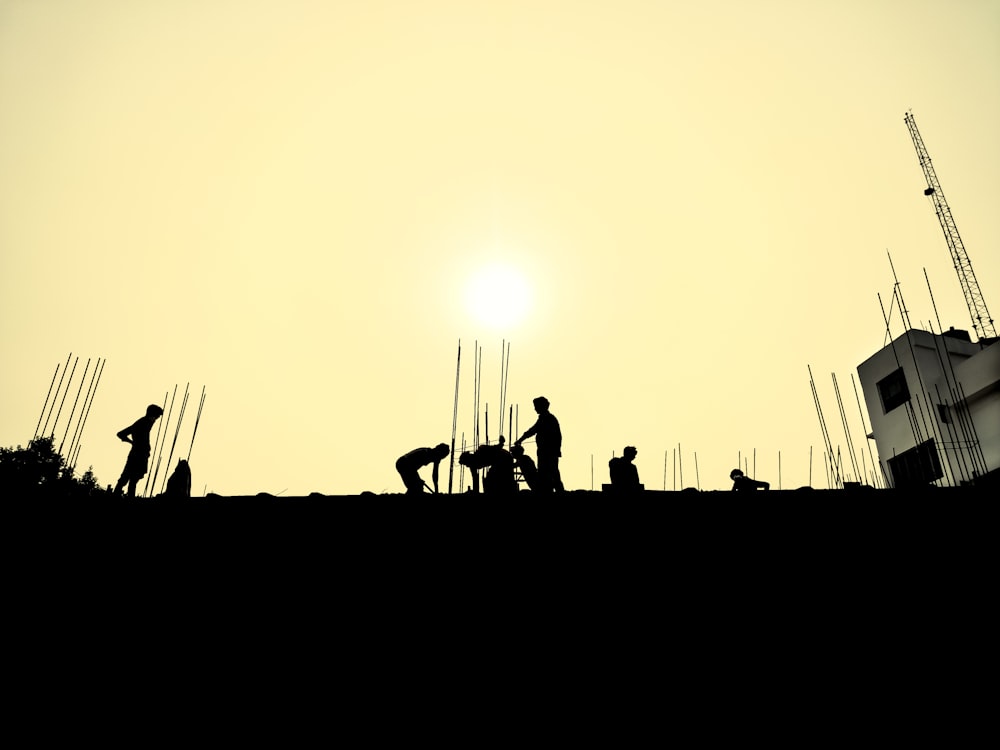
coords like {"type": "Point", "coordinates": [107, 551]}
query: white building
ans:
{"type": "Point", "coordinates": [934, 405]}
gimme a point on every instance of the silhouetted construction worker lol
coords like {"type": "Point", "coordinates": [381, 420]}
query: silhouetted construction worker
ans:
{"type": "Point", "coordinates": [137, 463]}
{"type": "Point", "coordinates": [499, 477]}
{"type": "Point", "coordinates": [179, 483]}
{"type": "Point", "coordinates": [743, 482]}
{"type": "Point", "coordinates": [529, 472]}
{"type": "Point", "coordinates": [624, 474]}
{"type": "Point", "coordinates": [548, 446]}
{"type": "Point", "coordinates": [408, 466]}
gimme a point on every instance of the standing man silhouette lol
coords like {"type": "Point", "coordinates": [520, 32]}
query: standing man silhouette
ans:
{"type": "Point", "coordinates": [548, 446]}
{"type": "Point", "coordinates": [408, 466]}
{"type": "Point", "coordinates": [137, 463]}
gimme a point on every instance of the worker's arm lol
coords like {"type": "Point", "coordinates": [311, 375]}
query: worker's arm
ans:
{"type": "Point", "coordinates": [528, 433]}
{"type": "Point", "coordinates": [123, 435]}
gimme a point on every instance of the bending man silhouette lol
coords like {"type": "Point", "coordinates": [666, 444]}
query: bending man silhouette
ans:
{"type": "Point", "coordinates": [624, 474]}
{"type": "Point", "coordinates": [137, 463]}
{"type": "Point", "coordinates": [743, 482]}
{"type": "Point", "coordinates": [408, 466]}
{"type": "Point", "coordinates": [548, 446]}
{"type": "Point", "coordinates": [499, 477]}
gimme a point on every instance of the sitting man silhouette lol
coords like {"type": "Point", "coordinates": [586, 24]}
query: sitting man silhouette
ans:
{"type": "Point", "coordinates": [743, 482]}
{"type": "Point", "coordinates": [529, 472]}
{"type": "Point", "coordinates": [624, 474]}
{"type": "Point", "coordinates": [409, 464]}
{"type": "Point", "coordinates": [179, 484]}
{"type": "Point", "coordinates": [137, 463]}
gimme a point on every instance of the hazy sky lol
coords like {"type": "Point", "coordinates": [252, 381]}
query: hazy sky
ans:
{"type": "Point", "coordinates": [291, 203]}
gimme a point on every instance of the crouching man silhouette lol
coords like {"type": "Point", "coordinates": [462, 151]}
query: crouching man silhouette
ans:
{"type": "Point", "coordinates": [743, 482]}
{"type": "Point", "coordinates": [409, 464]}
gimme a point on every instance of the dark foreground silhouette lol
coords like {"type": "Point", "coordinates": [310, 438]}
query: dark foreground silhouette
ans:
{"type": "Point", "coordinates": [498, 464]}
{"type": "Point", "coordinates": [548, 440]}
{"type": "Point", "coordinates": [623, 473]}
{"type": "Point", "coordinates": [137, 463]}
{"type": "Point", "coordinates": [743, 483]}
{"type": "Point", "coordinates": [409, 465]}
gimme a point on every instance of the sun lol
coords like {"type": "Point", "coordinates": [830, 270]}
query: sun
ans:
{"type": "Point", "coordinates": [498, 296]}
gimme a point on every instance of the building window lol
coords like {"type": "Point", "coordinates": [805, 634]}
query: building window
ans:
{"type": "Point", "coordinates": [944, 413]}
{"type": "Point", "coordinates": [893, 391]}
{"type": "Point", "coordinates": [919, 466]}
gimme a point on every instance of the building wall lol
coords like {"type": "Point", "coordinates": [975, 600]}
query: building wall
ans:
{"type": "Point", "coordinates": [937, 370]}
{"type": "Point", "coordinates": [980, 381]}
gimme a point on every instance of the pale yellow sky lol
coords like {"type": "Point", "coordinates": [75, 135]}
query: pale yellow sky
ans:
{"type": "Point", "coordinates": [289, 202]}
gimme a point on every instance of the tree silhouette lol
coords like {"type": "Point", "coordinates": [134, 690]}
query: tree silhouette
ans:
{"type": "Point", "coordinates": [40, 471]}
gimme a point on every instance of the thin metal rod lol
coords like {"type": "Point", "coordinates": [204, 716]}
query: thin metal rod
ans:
{"type": "Point", "coordinates": [177, 430]}
{"type": "Point", "coordinates": [55, 398]}
{"type": "Point", "coordinates": [197, 420]}
{"type": "Point", "coordinates": [503, 345]}
{"type": "Point", "coordinates": [161, 431]}
{"type": "Point", "coordinates": [65, 393]}
{"type": "Point", "coordinates": [89, 402]}
{"type": "Point", "coordinates": [847, 429]}
{"type": "Point", "coordinates": [69, 420]}
{"type": "Point", "coordinates": [454, 418]}
{"type": "Point", "coordinates": [45, 405]}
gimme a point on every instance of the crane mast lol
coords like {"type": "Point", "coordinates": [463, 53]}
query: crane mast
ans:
{"type": "Point", "coordinates": [982, 323]}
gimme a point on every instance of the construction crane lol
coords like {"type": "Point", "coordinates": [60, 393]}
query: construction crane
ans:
{"type": "Point", "coordinates": [982, 323]}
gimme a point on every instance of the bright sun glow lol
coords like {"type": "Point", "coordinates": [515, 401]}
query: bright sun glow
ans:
{"type": "Point", "coordinates": [498, 296]}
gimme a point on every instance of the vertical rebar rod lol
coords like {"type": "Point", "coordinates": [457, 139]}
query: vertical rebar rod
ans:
{"type": "Point", "coordinates": [62, 402]}
{"type": "Point", "coordinates": [504, 372]}
{"type": "Point", "coordinates": [506, 379]}
{"type": "Point", "coordinates": [55, 396]}
{"type": "Point", "coordinates": [85, 409]}
{"type": "Point", "coordinates": [864, 429]}
{"type": "Point", "coordinates": [673, 479]}
{"type": "Point", "coordinates": [847, 429]}
{"type": "Point", "coordinates": [69, 419]}
{"type": "Point", "coordinates": [46, 403]}
{"type": "Point", "coordinates": [161, 431]}
{"type": "Point", "coordinates": [177, 430]}
{"type": "Point", "coordinates": [197, 421]}
{"type": "Point", "coordinates": [454, 418]}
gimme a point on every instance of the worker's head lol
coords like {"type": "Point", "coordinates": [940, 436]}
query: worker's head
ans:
{"type": "Point", "coordinates": [153, 411]}
{"type": "Point", "coordinates": [735, 473]}
{"type": "Point", "coordinates": [517, 450]}
{"type": "Point", "coordinates": [541, 404]}
{"type": "Point", "coordinates": [629, 452]}
{"type": "Point", "coordinates": [441, 450]}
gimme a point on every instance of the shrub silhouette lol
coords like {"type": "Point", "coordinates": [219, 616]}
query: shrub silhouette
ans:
{"type": "Point", "coordinates": [40, 471]}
